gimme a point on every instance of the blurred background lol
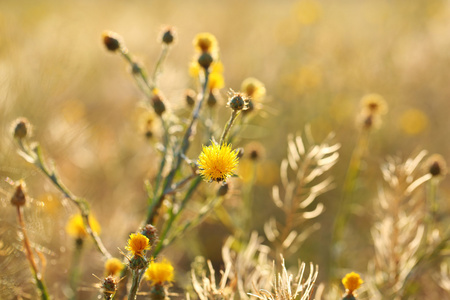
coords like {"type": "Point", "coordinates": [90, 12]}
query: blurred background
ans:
{"type": "Point", "coordinates": [317, 59]}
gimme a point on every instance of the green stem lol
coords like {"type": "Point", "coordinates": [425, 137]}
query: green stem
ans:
{"type": "Point", "coordinates": [75, 271]}
{"type": "Point", "coordinates": [185, 143]}
{"type": "Point", "coordinates": [168, 224]}
{"type": "Point", "coordinates": [234, 114]}
{"type": "Point", "coordinates": [135, 281]}
{"type": "Point", "coordinates": [159, 62]}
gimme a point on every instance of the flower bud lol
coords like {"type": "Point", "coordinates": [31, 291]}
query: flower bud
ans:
{"type": "Point", "coordinates": [190, 97]}
{"type": "Point", "coordinates": [21, 128]}
{"type": "Point", "coordinates": [168, 36]}
{"type": "Point", "coordinates": [19, 198]}
{"type": "Point", "coordinates": [223, 189]}
{"type": "Point", "coordinates": [238, 102]}
{"type": "Point", "coordinates": [205, 60]}
{"type": "Point", "coordinates": [111, 40]}
{"type": "Point", "coordinates": [158, 104]}
{"type": "Point", "coordinates": [150, 232]}
{"type": "Point", "coordinates": [109, 286]}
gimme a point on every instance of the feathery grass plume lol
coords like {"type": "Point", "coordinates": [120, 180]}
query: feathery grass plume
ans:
{"type": "Point", "coordinates": [351, 282]}
{"type": "Point", "coordinates": [217, 162]}
{"type": "Point", "coordinates": [399, 230]}
{"type": "Point", "coordinates": [286, 287]}
{"type": "Point", "coordinates": [302, 181]}
{"type": "Point", "coordinates": [244, 268]}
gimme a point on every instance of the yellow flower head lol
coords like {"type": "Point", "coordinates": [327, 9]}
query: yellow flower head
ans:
{"type": "Point", "coordinates": [205, 42]}
{"type": "Point", "coordinates": [217, 162]}
{"type": "Point", "coordinates": [75, 226]}
{"type": "Point", "coordinates": [253, 88]}
{"type": "Point", "coordinates": [137, 244]}
{"type": "Point", "coordinates": [215, 81]}
{"type": "Point", "coordinates": [113, 266]}
{"type": "Point", "coordinates": [375, 104]}
{"type": "Point", "coordinates": [352, 281]}
{"type": "Point", "coordinates": [159, 272]}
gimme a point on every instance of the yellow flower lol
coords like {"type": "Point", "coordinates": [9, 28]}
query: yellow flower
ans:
{"type": "Point", "coordinates": [159, 272]}
{"type": "Point", "coordinates": [253, 88]}
{"type": "Point", "coordinates": [215, 81]}
{"type": "Point", "coordinates": [75, 226]}
{"type": "Point", "coordinates": [375, 104]}
{"type": "Point", "coordinates": [205, 42]}
{"type": "Point", "coordinates": [137, 244]}
{"type": "Point", "coordinates": [113, 266]}
{"type": "Point", "coordinates": [352, 281]}
{"type": "Point", "coordinates": [217, 162]}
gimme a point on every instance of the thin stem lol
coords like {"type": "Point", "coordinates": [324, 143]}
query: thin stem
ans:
{"type": "Point", "coordinates": [234, 114]}
{"type": "Point", "coordinates": [75, 267]}
{"type": "Point", "coordinates": [159, 62]}
{"type": "Point", "coordinates": [185, 143]}
{"type": "Point", "coordinates": [35, 156]}
{"type": "Point", "coordinates": [30, 257]}
{"type": "Point", "coordinates": [135, 281]}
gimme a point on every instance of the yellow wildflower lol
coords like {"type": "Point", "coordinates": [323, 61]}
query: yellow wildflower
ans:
{"type": "Point", "coordinates": [205, 42]}
{"type": "Point", "coordinates": [217, 162]}
{"type": "Point", "coordinates": [352, 281]}
{"type": "Point", "coordinates": [215, 81]}
{"type": "Point", "coordinates": [159, 272]}
{"type": "Point", "coordinates": [137, 244]}
{"type": "Point", "coordinates": [113, 266]}
{"type": "Point", "coordinates": [75, 226]}
{"type": "Point", "coordinates": [375, 104]}
{"type": "Point", "coordinates": [253, 88]}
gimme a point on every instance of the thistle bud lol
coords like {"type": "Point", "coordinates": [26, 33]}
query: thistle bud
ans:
{"type": "Point", "coordinates": [158, 104]}
{"type": "Point", "coordinates": [138, 262]}
{"type": "Point", "coordinates": [150, 232]}
{"type": "Point", "coordinates": [223, 189]}
{"type": "Point", "coordinates": [238, 102]}
{"type": "Point", "coordinates": [212, 100]}
{"type": "Point", "coordinates": [436, 165]}
{"type": "Point", "coordinates": [190, 97]}
{"type": "Point", "coordinates": [21, 128]}
{"type": "Point", "coordinates": [205, 60]}
{"type": "Point", "coordinates": [19, 198]}
{"type": "Point", "coordinates": [112, 40]}
{"type": "Point", "coordinates": [168, 36]}
{"type": "Point", "coordinates": [109, 286]}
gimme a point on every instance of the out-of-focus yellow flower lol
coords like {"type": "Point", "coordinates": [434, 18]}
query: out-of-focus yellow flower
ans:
{"type": "Point", "coordinates": [75, 226]}
{"type": "Point", "coordinates": [352, 281]}
{"type": "Point", "coordinates": [308, 11]}
{"type": "Point", "coordinates": [374, 104]}
{"type": "Point", "coordinates": [413, 121]}
{"type": "Point", "coordinates": [217, 162]}
{"type": "Point", "coordinates": [194, 69]}
{"type": "Point", "coordinates": [215, 81]}
{"type": "Point", "coordinates": [159, 272]}
{"type": "Point", "coordinates": [253, 88]}
{"type": "Point", "coordinates": [307, 78]}
{"type": "Point", "coordinates": [205, 42]}
{"type": "Point", "coordinates": [113, 266]}
{"type": "Point", "coordinates": [137, 244]}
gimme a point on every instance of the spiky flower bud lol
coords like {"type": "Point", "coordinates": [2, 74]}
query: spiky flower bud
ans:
{"type": "Point", "coordinates": [168, 36]}
{"type": "Point", "coordinates": [21, 128]}
{"type": "Point", "coordinates": [223, 189]}
{"type": "Point", "coordinates": [237, 102]}
{"type": "Point", "coordinates": [19, 198]}
{"type": "Point", "coordinates": [158, 104]}
{"type": "Point", "coordinates": [138, 263]}
{"type": "Point", "coordinates": [150, 232]}
{"type": "Point", "coordinates": [109, 286]}
{"type": "Point", "coordinates": [112, 40]}
{"type": "Point", "coordinates": [205, 60]}
{"type": "Point", "coordinates": [190, 97]}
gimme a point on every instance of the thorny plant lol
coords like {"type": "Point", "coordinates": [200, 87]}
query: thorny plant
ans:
{"type": "Point", "coordinates": [407, 235]}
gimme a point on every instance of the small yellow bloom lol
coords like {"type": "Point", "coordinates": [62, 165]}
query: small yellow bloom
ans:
{"type": "Point", "coordinates": [215, 81]}
{"type": "Point", "coordinates": [253, 88]}
{"type": "Point", "coordinates": [75, 226]}
{"type": "Point", "coordinates": [217, 162]}
{"type": "Point", "coordinates": [137, 244]}
{"type": "Point", "coordinates": [375, 104]}
{"type": "Point", "coordinates": [113, 266]}
{"type": "Point", "coordinates": [159, 272]}
{"type": "Point", "coordinates": [205, 42]}
{"type": "Point", "coordinates": [352, 281]}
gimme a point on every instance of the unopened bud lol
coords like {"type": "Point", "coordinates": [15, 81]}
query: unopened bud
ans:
{"type": "Point", "coordinates": [109, 286]}
{"type": "Point", "coordinates": [168, 36]}
{"type": "Point", "coordinates": [223, 189]}
{"type": "Point", "coordinates": [111, 40]}
{"type": "Point", "coordinates": [237, 102]}
{"type": "Point", "coordinates": [19, 198]}
{"type": "Point", "coordinates": [205, 60]}
{"type": "Point", "coordinates": [21, 128]}
{"type": "Point", "coordinates": [150, 232]}
{"type": "Point", "coordinates": [158, 104]}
